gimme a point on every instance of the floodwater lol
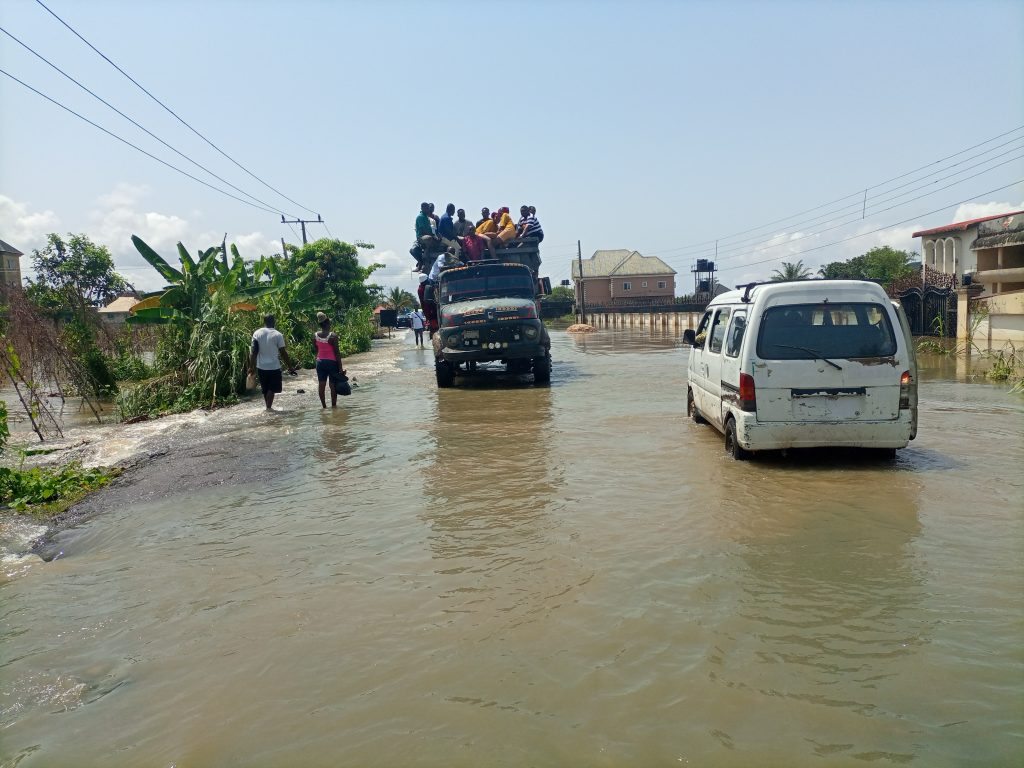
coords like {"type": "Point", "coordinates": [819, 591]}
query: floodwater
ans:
{"type": "Point", "coordinates": [507, 575]}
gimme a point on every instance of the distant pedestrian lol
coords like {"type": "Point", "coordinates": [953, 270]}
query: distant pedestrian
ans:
{"type": "Point", "coordinates": [265, 359]}
{"type": "Point", "coordinates": [328, 362]}
{"type": "Point", "coordinates": [418, 322]}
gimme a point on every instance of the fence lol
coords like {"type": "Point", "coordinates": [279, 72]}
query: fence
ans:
{"type": "Point", "coordinates": [931, 310]}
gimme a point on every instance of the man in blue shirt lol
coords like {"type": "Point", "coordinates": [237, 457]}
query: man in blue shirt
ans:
{"type": "Point", "coordinates": [446, 230]}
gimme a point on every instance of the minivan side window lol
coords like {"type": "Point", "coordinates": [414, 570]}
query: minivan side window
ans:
{"type": "Point", "coordinates": [718, 330]}
{"type": "Point", "coordinates": [735, 335]}
{"type": "Point", "coordinates": [702, 330]}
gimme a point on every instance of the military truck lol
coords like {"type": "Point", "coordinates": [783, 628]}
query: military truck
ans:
{"type": "Point", "coordinates": [488, 311]}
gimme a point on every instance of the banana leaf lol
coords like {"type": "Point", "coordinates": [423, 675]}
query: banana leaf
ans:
{"type": "Point", "coordinates": [169, 273]}
{"type": "Point", "coordinates": [156, 316]}
{"type": "Point", "coordinates": [187, 263]}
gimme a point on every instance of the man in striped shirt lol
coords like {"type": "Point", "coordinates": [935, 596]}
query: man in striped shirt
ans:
{"type": "Point", "coordinates": [528, 225]}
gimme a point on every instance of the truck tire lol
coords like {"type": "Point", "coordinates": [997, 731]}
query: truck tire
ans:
{"type": "Point", "coordinates": [542, 369]}
{"type": "Point", "coordinates": [445, 373]}
{"type": "Point", "coordinates": [691, 409]}
{"type": "Point", "coordinates": [732, 444]}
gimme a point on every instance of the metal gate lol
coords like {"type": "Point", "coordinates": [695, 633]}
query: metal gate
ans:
{"type": "Point", "coordinates": [931, 312]}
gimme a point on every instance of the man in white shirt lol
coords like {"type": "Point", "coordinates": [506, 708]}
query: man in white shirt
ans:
{"type": "Point", "coordinates": [265, 359]}
{"type": "Point", "coordinates": [418, 321]}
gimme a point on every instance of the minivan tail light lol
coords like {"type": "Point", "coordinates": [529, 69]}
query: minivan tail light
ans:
{"type": "Point", "coordinates": [748, 397]}
{"type": "Point", "coordinates": [905, 380]}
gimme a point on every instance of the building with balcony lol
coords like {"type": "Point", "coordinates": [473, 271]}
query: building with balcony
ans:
{"type": "Point", "coordinates": [985, 258]}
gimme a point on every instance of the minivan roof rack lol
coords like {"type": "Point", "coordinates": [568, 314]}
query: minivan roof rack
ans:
{"type": "Point", "coordinates": [748, 287]}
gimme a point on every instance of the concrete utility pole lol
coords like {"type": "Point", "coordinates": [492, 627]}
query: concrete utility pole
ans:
{"type": "Point", "coordinates": [583, 300]}
{"type": "Point", "coordinates": [303, 223]}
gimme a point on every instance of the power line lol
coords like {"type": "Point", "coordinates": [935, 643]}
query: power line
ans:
{"type": "Point", "coordinates": [887, 226]}
{"type": "Point", "coordinates": [733, 255]}
{"type": "Point", "coordinates": [133, 122]}
{"type": "Point", "coordinates": [858, 193]}
{"type": "Point", "coordinates": [741, 244]}
{"type": "Point", "coordinates": [169, 110]}
{"type": "Point", "coordinates": [135, 147]}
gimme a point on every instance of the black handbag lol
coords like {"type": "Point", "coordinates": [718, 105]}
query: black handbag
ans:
{"type": "Point", "coordinates": [341, 385]}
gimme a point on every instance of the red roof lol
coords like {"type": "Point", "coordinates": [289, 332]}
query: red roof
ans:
{"type": "Point", "coordinates": [960, 226]}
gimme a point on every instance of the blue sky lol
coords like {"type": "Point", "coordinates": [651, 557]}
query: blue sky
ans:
{"type": "Point", "coordinates": [645, 125]}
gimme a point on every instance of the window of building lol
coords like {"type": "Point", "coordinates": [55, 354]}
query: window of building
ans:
{"type": "Point", "coordinates": [643, 284]}
{"type": "Point", "coordinates": [627, 286]}
{"type": "Point", "coordinates": [662, 284]}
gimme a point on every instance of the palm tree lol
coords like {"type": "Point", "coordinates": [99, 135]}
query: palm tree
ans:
{"type": "Point", "coordinates": [399, 298]}
{"type": "Point", "coordinates": [791, 272]}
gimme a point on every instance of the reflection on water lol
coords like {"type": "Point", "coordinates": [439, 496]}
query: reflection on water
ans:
{"type": "Point", "coordinates": [506, 574]}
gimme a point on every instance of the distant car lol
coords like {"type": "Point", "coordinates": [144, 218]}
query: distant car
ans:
{"type": "Point", "coordinates": [404, 320]}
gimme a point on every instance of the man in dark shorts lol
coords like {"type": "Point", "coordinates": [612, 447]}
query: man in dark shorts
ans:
{"type": "Point", "coordinates": [265, 358]}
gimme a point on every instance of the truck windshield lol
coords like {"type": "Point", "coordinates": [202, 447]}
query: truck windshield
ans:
{"type": "Point", "coordinates": [479, 284]}
{"type": "Point", "coordinates": [807, 331]}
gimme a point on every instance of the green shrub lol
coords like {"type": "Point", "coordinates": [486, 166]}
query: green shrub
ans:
{"type": "Point", "coordinates": [21, 488]}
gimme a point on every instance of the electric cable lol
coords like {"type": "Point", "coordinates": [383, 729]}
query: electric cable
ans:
{"type": "Point", "coordinates": [169, 110]}
{"type": "Point", "coordinates": [137, 125]}
{"type": "Point", "coordinates": [135, 147]}
{"type": "Point", "coordinates": [858, 193]}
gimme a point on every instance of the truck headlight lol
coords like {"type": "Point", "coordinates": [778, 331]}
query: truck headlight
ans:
{"type": "Point", "coordinates": [530, 331]}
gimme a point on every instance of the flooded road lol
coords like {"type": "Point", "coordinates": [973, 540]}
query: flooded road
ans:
{"type": "Point", "coordinates": [505, 575]}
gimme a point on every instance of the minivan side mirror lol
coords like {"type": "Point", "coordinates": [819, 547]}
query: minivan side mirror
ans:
{"type": "Point", "coordinates": [690, 337]}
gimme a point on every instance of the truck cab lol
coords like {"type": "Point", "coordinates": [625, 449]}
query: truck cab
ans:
{"type": "Point", "coordinates": [488, 311]}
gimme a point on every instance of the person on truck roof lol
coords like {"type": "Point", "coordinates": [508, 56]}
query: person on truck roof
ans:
{"type": "Point", "coordinates": [485, 215]}
{"type": "Point", "coordinates": [425, 237]}
{"type": "Point", "coordinates": [463, 226]}
{"type": "Point", "coordinates": [528, 225]}
{"type": "Point", "coordinates": [446, 230]}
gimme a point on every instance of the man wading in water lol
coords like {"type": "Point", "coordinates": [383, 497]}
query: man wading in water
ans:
{"type": "Point", "coordinates": [265, 359]}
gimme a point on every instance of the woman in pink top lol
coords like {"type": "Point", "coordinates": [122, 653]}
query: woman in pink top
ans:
{"type": "Point", "coordinates": [328, 362]}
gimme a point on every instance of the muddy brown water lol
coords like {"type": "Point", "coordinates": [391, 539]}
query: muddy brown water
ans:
{"type": "Point", "coordinates": [501, 574]}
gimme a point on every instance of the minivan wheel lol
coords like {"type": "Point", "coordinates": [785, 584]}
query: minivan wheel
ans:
{"type": "Point", "coordinates": [691, 409]}
{"type": "Point", "coordinates": [732, 445]}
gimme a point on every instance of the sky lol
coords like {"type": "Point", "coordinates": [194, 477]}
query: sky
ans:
{"type": "Point", "coordinates": [670, 128]}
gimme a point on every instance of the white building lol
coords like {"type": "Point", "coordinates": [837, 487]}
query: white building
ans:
{"type": "Point", "coordinates": [986, 252]}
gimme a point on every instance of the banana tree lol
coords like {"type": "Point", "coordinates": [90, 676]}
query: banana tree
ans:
{"type": "Point", "coordinates": [191, 287]}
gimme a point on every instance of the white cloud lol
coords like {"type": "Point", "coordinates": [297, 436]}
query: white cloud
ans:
{"type": "Point", "coordinates": [397, 271]}
{"type": "Point", "coordinates": [969, 211]}
{"type": "Point", "coordinates": [23, 228]}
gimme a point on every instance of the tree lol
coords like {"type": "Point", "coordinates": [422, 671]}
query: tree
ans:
{"type": "Point", "coordinates": [791, 271]}
{"type": "Point", "coordinates": [337, 273]}
{"type": "Point", "coordinates": [74, 275]}
{"type": "Point", "coordinates": [399, 298]}
{"type": "Point", "coordinates": [884, 264]}
{"type": "Point", "coordinates": [561, 293]}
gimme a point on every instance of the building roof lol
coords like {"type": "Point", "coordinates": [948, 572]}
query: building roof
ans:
{"type": "Point", "coordinates": [960, 226]}
{"type": "Point", "coordinates": [621, 263]}
{"type": "Point", "coordinates": [5, 248]}
{"type": "Point", "coordinates": [120, 304]}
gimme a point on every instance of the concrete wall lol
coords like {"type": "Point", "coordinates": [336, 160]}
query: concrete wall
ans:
{"type": "Point", "coordinates": [950, 253]}
{"type": "Point", "coordinates": [1004, 324]}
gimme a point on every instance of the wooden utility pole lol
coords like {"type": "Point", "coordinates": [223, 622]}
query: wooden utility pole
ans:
{"type": "Point", "coordinates": [303, 223]}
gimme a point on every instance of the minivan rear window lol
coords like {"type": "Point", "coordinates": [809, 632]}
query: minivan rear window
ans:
{"type": "Point", "coordinates": [843, 330]}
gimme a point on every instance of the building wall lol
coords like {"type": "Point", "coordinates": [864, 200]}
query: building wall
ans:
{"type": "Point", "coordinates": [606, 291]}
{"type": "Point", "coordinates": [10, 270]}
{"type": "Point", "coordinates": [1002, 321]}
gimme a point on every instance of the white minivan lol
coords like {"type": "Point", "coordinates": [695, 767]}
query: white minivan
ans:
{"type": "Point", "coordinates": [804, 364]}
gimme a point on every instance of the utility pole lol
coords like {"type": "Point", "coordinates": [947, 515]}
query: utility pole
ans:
{"type": "Point", "coordinates": [583, 300]}
{"type": "Point", "coordinates": [224, 249]}
{"type": "Point", "coordinates": [284, 251]}
{"type": "Point", "coordinates": [303, 223]}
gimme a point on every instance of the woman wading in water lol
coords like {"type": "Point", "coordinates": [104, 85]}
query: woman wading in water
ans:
{"type": "Point", "coordinates": [328, 361]}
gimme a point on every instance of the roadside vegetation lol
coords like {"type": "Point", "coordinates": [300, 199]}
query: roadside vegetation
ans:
{"type": "Point", "coordinates": [183, 347]}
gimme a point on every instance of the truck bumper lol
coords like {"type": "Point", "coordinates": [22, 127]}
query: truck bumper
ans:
{"type": "Point", "coordinates": [481, 355]}
{"type": "Point", "coordinates": [775, 435]}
